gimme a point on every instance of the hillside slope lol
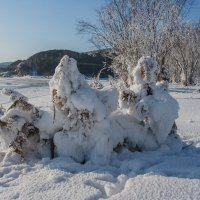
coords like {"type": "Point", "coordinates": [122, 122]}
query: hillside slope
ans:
{"type": "Point", "coordinates": [4, 64]}
{"type": "Point", "coordinates": [44, 63]}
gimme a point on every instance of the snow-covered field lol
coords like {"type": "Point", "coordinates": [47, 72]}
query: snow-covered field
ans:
{"type": "Point", "coordinates": [140, 175]}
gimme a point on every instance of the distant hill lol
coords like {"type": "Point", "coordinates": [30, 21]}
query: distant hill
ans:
{"type": "Point", "coordinates": [44, 63]}
{"type": "Point", "coordinates": [4, 64]}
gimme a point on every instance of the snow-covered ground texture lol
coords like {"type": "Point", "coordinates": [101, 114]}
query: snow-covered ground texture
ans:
{"type": "Point", "coordinates": [155, 174]}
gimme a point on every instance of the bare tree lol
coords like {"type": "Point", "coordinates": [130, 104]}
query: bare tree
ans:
{"type": "Point", "coordinates": [185, 54]}
{"type": "Point", "coordinates": [133, 28]}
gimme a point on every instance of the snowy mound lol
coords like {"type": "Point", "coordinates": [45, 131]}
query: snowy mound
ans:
{"type": "Point", "coordinates": [88, 124]}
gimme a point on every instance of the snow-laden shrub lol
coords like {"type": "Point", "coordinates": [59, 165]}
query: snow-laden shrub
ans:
{"type": "Point", "coordinates": [143, 120]}
{"type": "Point", "coordinates": [89, 124]}
{"type": "Point", "coordinates": [17, 130]}
{"type": "Point", "coordinates": [85, 110]}
{"type": "Point", "coordinates": [149, 103]}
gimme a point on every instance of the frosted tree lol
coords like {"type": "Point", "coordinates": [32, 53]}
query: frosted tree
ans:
{"type": "Point", "coordinates": [185, 53]}
{"type": "Point", "coordinates": [134, 28]}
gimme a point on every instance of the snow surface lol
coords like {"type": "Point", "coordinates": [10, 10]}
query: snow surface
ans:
{"type": "Point", "coordinates": [140, 175]}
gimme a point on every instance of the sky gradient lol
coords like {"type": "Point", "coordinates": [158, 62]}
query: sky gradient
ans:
{"type": "Point", "coordinates": [30, 26]}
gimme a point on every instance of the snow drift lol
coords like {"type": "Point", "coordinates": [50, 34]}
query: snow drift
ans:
{"type": "Point", "coordinates": [88, 124]}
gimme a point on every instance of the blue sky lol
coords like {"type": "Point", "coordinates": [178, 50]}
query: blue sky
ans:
{"type": "Point", "coordinates": [30, 26]}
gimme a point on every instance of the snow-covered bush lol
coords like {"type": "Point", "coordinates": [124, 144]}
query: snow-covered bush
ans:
{"type": "Point", "coordinates": [149, 103]}
{"type": "Point", "coordinates": [89, 124]}
{"type": "Point", "coordinates": [84, 109]}
{"type": "Point", "coordinates": [17, 130]}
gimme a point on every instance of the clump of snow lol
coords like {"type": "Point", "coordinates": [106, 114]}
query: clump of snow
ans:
{"type": "Point", "coordinates": [65, 81]}
{"type": "Point", "coordinates": [191, 121]}
{"type": "Point", "coordinates": [164, 85]}
{"type": "Point", "coordinates": [144, 72]}
{"type": "Point", "coordinates": [109, 97]}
